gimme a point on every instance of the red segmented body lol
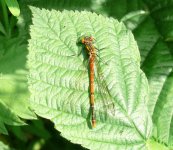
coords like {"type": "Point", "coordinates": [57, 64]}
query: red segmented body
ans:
{"type": "Point", "coordinates": [88, 42]}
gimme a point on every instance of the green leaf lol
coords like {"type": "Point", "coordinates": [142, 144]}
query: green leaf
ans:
{"type": "Point", "coordinates": [146, 35]}
{"type": "Point", "coordinates": [13, 6]}
{"type": "Point", "coordinates": [59, 80]}
{"type": "Point", "coordinates": [4, 147]}
{"type": "Point", "coordinates": [133, 19]}
{"type": "Point", "coordinates": [3, 130]}
{"type": "Point", "coordinates": [13, 79]}
{"type": "Point", "coordinates": [157, 63]}
{"type": "Point", "coordinates": [8, 117]}
{"type": "Point", "coordinates": [152, 145]}
{"type": "Point", "coordinates": [163, 112]}
{"type": "Point", "coordinates": [2, 29]}
{"type": "Point", "coordinates": [160, 80]}
{"type": "Point", "coordinates": [162, 13]}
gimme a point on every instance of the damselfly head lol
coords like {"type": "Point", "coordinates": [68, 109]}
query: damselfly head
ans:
{"type": "Point", "coordinates": [87, 39]}
{"type": "Point", "coordinates": [91, 38]}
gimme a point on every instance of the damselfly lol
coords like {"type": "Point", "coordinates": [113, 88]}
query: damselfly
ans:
{"type": "Point", "coordinates": [91, 50]}
{"type": "Point", "coordinates": [88, 42]}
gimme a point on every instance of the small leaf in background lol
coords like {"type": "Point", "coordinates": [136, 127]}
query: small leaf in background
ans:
{"type": "Point", "coordinates": [133, 19]}
{"type": "Point", "coordinates": [13, 7]}
{"type": "Point", "coordinates": [8, 117]}
{"type": "Point", "coordinates": [59, 80]}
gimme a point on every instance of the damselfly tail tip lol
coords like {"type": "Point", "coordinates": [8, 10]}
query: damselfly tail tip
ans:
{"type": "Point", "coordinates": [93, 123]}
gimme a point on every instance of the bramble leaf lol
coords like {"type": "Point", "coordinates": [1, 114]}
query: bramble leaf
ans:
{"type": "Point", "coordinates": [58, 80]}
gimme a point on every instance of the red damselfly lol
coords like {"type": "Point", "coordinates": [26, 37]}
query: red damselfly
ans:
{"type": "Point", "coordinates": [88, 42]}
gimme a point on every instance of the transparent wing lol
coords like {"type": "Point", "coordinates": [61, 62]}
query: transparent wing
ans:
{"type": "Point", "coordinates": [103, 99]}
{"type": "Point", "coordinates": [106, 107]}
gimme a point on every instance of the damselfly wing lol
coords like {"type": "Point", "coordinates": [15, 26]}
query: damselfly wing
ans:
{"type": "Point", "coordinates": [96, 80]}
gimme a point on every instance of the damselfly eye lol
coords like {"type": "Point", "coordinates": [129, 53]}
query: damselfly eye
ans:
{"type": "Point", "coordinates": [83, 40]}
{"type": "Point", "coordinates": [91, 38]}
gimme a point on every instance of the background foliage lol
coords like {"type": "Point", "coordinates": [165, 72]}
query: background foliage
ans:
{"type": "Point", "coordinates": [152, 25]}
